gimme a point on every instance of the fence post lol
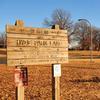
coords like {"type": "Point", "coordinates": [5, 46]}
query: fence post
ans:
{"type": "Point", "coordinates": [57, 74]}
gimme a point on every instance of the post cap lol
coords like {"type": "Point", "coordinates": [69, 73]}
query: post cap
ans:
{"type": "Point", "coordinates": [19, 23]}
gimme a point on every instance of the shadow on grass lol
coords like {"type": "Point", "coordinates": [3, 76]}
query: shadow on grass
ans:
{"type": "Point", "coordinates": [93, 79]}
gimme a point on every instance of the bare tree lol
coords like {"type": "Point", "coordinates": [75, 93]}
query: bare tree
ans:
{"type": "Point", "coordinates": [3, 39]}
{"type": "Point", "coordinates": [80, 32]}
{"type": "Point", "coordinates": [82, 35]}
{"type": "Point", "coordinates": [62, 18]}
{"type": "Point", "coordinates": [96, 38]}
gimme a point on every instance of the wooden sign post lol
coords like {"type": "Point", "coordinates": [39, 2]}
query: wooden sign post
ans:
{"type": "Point", "coordinates": [20, 93]}
{"type": "Point", "coordinates": [21, 80]}
{"type": "Point", "coordinates": [34, 46]}
{"type": "Point", "coordinates": [57, 74]}
{"type": "Point", "coordinates": [19, 84]}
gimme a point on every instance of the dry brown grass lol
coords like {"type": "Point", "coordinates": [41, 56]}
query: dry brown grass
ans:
{"type": "Point", "coordinates": [80, 80]}
{"type": "Point", "coordinates": [83, 53]}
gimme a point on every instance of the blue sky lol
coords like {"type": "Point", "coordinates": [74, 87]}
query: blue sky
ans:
{"type": "Point", "coordinates": [33, 12]}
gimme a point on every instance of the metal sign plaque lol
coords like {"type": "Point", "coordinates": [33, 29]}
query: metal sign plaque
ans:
{"type": "Point", "coordinates": [57, 70]}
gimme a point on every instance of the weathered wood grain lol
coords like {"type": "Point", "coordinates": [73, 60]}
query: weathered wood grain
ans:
{"type": "Point", "coordinates": [31, 36]}
{"type": "Point", "coordinates": [29, 46]}
{"type": "Point", "coordinates": [16, 42]}
{"type": "Point", "coordinates": [32, 49]}
{"type": "Point", "coordinates": [37, 31]}
{"type": "Point", "coordinates": [36, 55]}
{"type": "Point", "coordinates": [36, 61]}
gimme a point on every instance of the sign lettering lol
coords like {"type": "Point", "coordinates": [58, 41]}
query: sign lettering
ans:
{"type": "Point", "coordinates": [23, 42]}
{"type": "Point", "coordinates": [29, 46]}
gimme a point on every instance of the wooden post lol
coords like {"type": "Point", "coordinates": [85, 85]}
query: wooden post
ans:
{"type": "Point", "coordinates": [55, 27]}
{"type": "Point", "coordinates": [57, 88]}
{"type": "Point", "coordinates": [57, 74]}
{"type": "Point", "coordinates": [19, 23]}
{"type": "Point", "coordinates": [20, 93]}
{"type": "Point", "coordinates": [19, 84]}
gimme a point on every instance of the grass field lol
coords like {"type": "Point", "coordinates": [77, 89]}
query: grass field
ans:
{"type": "Point", "coordinates": [80, 80]}
{"type": "Point", "coordinates": [73, 56]}
{"type": "Point", "coordinates": [84, 53]}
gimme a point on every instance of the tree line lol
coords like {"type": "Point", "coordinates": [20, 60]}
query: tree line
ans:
{"type": "Point", "coordinates": [79, 33]}
{"type": "Point", "coordinates": [2, 40]}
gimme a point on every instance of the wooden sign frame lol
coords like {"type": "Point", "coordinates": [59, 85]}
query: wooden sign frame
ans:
{"type": "Point", "coordinates": [34, 46]}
